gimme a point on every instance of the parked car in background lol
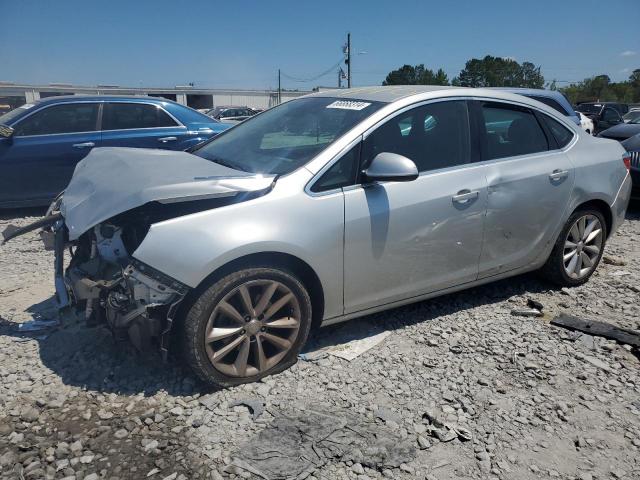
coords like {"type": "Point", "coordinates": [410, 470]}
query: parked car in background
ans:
{"type": "Point", "coordinates": [41, 142]}
{"type": "Point", "coordinates": [622, 131]}
{"type": "Point", "coordinates": [329, 207]}
{"type": "Point", "coordinates": [231, 114]}
{"type": "Point", "coordinates": [632, 145]}
{"type": "Point", "coordinates": [604, 114]}
{"type": "Point", "coordinates": [552, 98]}
{"type": "Point", "coordinates": [596, 107]}
{"type": "Point", "coordinates": [632, 114]}
{"type": "Point", "coordinates": [586, 123]}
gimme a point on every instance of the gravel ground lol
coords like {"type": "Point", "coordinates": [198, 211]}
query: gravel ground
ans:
{"type": "Point", "coordinates": [460, 389]}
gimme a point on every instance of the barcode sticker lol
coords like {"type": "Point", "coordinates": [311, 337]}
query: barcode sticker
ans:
{"type": "Point", "coordinates": [348, 105]}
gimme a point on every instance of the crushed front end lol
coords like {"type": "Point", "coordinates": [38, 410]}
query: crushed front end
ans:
{"type": "Point", "coordinates": [109, 286]}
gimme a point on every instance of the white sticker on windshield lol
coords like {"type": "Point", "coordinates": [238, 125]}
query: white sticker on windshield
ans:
{"type": "Point", "coordinates": [348, 105]}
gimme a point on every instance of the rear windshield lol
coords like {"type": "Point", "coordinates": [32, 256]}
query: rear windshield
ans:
{"type": "Point", "coordinates": [589, 108]}
{"type": "Point", "coordinates": [288, 136]}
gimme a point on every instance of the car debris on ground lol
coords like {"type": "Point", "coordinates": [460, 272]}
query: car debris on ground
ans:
{"type": "Point", "coordinates": [600, 329]}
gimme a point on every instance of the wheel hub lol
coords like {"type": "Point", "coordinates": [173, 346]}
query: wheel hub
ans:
{"type": "Point", "coordinates": [253, 327]}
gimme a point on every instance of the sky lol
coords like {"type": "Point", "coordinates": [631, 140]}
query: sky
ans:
{"type": "Point", "coordinates": [243, 43]}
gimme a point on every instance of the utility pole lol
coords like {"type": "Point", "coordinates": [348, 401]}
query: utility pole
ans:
{"type": "Point", "coordinates": [348, 60]}
{"type": "Point", "coordinates": [339, 78]}
{"type": "Point", "coordinates": [279, 89]}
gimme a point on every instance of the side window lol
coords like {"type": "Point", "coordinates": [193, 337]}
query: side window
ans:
{"type": "Point", "coordinates": [434, 136]}
{"type": "Point", "coordinates": [63, 118]}
{"type": "Point", "coordinates": [341, 174]}
{"type": "Point", "coordinates": [123, 116]}
{"type": "Point", "coordinates": [511, 131]}
{"type": "Point", "coordinates": [561, 133]}
{"type": "Point", "coordinates": [610, 115]}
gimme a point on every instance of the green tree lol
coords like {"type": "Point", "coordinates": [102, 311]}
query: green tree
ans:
{"type": "Point", "coordinates": [416, 75]}
{"type": "Point", "coordinates": [499, 72]}
{"type": "Point", "coordinates": [601, 88]}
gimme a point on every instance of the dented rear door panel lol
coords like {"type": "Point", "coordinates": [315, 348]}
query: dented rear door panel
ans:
{"type": "Point", "coordinates": [525, 209]}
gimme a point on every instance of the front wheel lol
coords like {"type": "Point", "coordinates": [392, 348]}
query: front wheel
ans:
{"type": "Point", "coordinates": [578, 250]}
{"type": "Point", "coordinates": [247, 325]}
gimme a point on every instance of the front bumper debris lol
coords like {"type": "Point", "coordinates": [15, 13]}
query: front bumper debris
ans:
{"type": "Point", "coordinates": [12, 231]}
{"type": "Point", "coordinates": [103, 280]}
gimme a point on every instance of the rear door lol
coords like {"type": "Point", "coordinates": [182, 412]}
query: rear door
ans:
{"type": "Point", "coordinates": [142, 125]}
{"type": "Point", "coordinates": [529, 177]}
{"type": "Point", "coordinates": [37, 162]}
{"type": "Point", "coordinates": [404, 239]}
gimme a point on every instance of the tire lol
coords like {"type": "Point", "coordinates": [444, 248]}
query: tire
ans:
{"type": "Point", "coordinates": [555, 268]}
{"type": "Point", "coordinates": [211, 317]}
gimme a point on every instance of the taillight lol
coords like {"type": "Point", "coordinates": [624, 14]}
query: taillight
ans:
{"type": "Point", "coordinates": [626, 158]}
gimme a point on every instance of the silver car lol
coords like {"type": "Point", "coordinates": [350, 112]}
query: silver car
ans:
{"type": "Point", "coordinates": [327, 208]}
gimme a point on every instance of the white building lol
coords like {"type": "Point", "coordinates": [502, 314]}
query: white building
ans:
{"type": "Point", "coordinates": [13, 95]}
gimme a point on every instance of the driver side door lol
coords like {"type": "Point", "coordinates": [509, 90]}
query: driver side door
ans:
{"type": "Point", "coordinates": [407, 239]}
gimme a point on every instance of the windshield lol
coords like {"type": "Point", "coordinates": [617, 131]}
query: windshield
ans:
{"type": "Point", "coordinates": [288, 136]}
{"type": "Point", "coordinates": [632, 117]}
{"type": "Point", "coordinates": [9, 116]}
{"type": "Point", "coordinates": [589, 108]}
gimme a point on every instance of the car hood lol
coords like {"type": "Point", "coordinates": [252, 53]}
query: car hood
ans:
{"type": "Point", "coordinates": [622, 131]}
{"type": "Point", "coordinates": [632, 144]}
{"type": "Point", "coordinates": [110, 181]}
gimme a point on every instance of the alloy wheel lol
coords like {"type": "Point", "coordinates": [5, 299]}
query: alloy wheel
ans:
{"type": "Point", "coordinates": [582, 246]}
{"type": "Point", "coordinates": [252, 328]}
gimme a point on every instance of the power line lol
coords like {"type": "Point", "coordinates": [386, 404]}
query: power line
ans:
{"type": "Point", "coordinates": [315, 77]}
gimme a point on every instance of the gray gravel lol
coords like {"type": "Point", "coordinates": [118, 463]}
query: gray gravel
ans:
{"type": "Point", "coordinates": [475, 390]}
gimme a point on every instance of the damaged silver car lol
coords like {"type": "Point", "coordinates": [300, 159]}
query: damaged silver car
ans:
{"type": "Point", "coordinates": [326, 208]}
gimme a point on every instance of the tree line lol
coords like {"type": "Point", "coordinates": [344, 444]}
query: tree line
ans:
{"type": "Point", "coordinates": [493, 71]}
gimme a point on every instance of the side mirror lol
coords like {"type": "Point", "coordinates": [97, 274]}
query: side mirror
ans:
{"type": "Point", "coordinates": [6, 131]}
{"type": "Point", "coordinates": [391, 167]}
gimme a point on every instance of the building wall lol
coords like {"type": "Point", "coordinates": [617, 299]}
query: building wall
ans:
{"type": "Point", "coordinates": [197, 98]}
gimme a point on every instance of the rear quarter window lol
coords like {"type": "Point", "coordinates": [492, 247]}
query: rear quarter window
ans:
{"type": "Point", "coordinates": [561, 133]}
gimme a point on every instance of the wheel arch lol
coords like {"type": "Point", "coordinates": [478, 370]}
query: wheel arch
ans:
{"type": "Point", "coordinates": [603, 207]}
{"type": "Point", "coordinates": [301, 269]}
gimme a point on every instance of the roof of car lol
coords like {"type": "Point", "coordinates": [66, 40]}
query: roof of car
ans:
{"type": "Point", "coordinates": [102, 98]}
{"type": "Point", "coordinates": [528, 91]}
{"type": "Point", "coordinates": [387, 93]}
{"type": "Point", "coordinates": [393, 93]}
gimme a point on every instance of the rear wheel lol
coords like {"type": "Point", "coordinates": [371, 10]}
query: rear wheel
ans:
{"type": "Point", "coordinates": [578, 250]}
{"type": "Point", "coordinates": [247, 325]}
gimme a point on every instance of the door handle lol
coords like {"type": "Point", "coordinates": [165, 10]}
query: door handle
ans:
{"type": "Point", "coordinates": [464, 196]}
{"type": "Point", "coordinates": [558, 174]}
{"type": "Point", "coordinates": [84, 145]}
{"type": "Point", "coordinates": [167, 139]}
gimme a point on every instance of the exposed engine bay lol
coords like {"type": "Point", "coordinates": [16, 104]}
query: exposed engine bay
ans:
{"type": "Point", "coordinates": [105, 281]}
{"type": "Point", "coordinates": [109, 285]}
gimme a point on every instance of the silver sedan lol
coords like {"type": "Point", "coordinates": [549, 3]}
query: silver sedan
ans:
{"type": "Point", "coordinates": [327, 208]}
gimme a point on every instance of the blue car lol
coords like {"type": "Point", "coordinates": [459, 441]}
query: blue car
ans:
{"type": "Point", "coordinates": [551, 98]}
{"type": "Point", "coordinates": [41, 142]}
